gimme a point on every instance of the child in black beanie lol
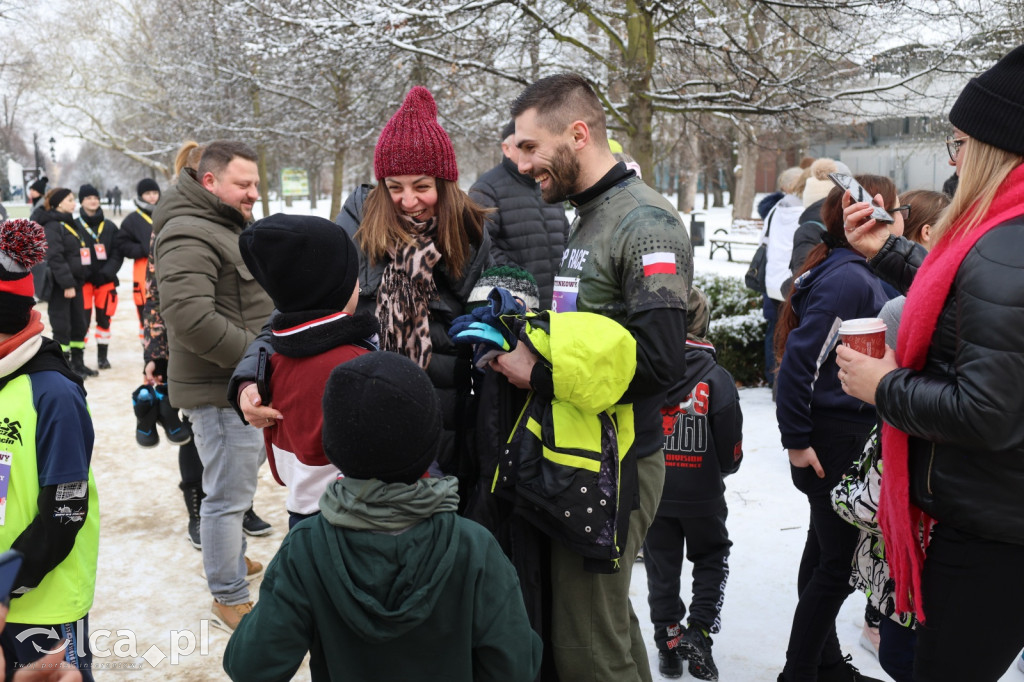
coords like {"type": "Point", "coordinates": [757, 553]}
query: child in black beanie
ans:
{"type": "Point", "coordinates": [309, 267]}
{"type": "Point", "coordinates": [388, 566]}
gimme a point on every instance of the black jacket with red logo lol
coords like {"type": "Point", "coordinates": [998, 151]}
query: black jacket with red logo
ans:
{"type": "Point", "coordinates": [703, 427]}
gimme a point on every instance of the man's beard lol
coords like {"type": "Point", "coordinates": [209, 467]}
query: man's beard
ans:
{"type": "Point", "coordinates": [564, 171]}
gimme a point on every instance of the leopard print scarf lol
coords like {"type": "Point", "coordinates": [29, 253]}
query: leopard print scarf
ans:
{"type": "Point", "coordinates": [406, 289]}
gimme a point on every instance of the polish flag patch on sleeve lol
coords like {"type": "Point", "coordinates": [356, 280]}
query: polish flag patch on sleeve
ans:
{"type": "Point", "coordinates": [660, 263]}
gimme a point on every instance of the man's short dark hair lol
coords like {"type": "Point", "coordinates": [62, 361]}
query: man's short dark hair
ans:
{"type": "Point", "coordinates": [560, 100]}
{"type": "Point", "coordinates": [220, 153]}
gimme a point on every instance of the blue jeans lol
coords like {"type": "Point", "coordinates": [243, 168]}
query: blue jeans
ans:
{"type": "Point", "coordinates": [232, 453]}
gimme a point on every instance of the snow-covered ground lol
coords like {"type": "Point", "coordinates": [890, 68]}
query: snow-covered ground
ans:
{"type": "Point", "coordinates": [152, 600]}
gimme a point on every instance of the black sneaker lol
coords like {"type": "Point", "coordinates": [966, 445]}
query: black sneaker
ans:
{"type": "Point", "coordinates": [670, 663]}
{"type": "Point", "coordinates": [843, 671]}
{"type": "Point", "coordinates": [696, 646]}
{"type": "Point", "coordinates": [254, 525]}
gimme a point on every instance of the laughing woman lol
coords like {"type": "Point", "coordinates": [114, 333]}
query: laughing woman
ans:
{"type": "Point", "coordinates": [423, 246]}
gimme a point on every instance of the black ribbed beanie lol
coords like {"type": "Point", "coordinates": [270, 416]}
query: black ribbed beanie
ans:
{"type": "Point", "coordinates": [382, 418]}
{"type": "Point", "coordinates": [991, 106]}
{"type": "Point", "coordinates": [304, 262]}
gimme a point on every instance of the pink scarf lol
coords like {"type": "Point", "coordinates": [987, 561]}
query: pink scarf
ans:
{"type": "Point", "coordinates": [902, 522]}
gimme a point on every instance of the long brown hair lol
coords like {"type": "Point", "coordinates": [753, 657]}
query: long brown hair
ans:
{"type": "Point", "coordinates": [926, 208]}
{"type": "Point", "coordinates": [460, 223]}
{"type": "Point", "coordinates": [832, 217]}
{"type": "Point", "coordinates": [982, 170]}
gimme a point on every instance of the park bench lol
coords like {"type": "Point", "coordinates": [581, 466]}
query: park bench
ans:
{"type": "Point", "coordinates": [744, 234]}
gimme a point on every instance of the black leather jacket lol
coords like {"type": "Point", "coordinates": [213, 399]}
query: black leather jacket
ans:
{"type": "Point", "coordinates": [964, 410]}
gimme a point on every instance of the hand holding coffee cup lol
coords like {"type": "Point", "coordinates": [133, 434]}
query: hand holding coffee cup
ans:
{"type": "Point", "coordinates": [863, 358]}
{"type": "Point", "coordinates": [865, 335]}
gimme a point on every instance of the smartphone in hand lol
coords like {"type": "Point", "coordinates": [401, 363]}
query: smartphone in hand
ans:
{"type": "Point", "coordinates": [858, 194]}
{"type": "Point", "coordinates": [263, 375]}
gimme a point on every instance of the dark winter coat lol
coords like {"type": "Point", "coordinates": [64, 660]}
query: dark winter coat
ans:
{"type": "Point", "coordinates": [211, 304]}
{"type": "Point", "coordinates": [101, 271]}
{"type": "Point", "coordinates": [525, 230]}
{"type": "Point", "coordinates": [450, 368]}
{"type": "Point", "coordinates": [966, 445]}
{"type": "Point", "coordinates": [134, 235]}
{"type": "Point", "coordinates": [64, 241]}
{"type": "Point", "coordinates": [839, 288]}
{"type": "Point", "coordinates": [703, 427]}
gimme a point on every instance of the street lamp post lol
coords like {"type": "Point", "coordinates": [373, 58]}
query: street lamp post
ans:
{"type": "Point", "coordinates": [39, 158]}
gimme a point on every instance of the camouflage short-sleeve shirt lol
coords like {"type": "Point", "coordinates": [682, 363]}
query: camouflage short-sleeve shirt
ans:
{"type": "Point", "coordinates": [628, 252]}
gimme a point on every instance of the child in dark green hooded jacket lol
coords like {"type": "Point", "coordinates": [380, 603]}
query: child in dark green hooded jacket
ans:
{"type": "Point", "coordinates": [388, 582]}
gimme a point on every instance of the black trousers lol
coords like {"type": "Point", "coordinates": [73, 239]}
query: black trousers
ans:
{"type": "Point", "coordinates": [67, 318]}
{"type": "Point", "coordinates": [896, 648]}
{"type": "Point", "coordinates": [823, 582]}
{"type": "Point", "coordinates": [189, 464]}
{"type": "Point", "coordinates": [705, 543]}
{"type": "Point", "coordinates": [973, 595]}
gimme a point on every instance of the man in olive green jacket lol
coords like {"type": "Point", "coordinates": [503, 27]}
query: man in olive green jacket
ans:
{"type": "Point", "coordinates": [213, 309]}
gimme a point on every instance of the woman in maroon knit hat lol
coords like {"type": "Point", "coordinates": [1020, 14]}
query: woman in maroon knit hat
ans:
{"type": "Point", "coordinates": [423, 245]}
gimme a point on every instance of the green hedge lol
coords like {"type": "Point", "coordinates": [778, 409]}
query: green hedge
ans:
{"type": "Point", "coordinates": [737, 327]}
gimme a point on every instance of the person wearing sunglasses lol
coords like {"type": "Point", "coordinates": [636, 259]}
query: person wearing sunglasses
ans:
{"type": "Point", "coordinates": [953, 437]}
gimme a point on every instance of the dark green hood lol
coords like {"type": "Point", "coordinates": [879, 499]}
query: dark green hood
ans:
{"type": "Point", "coordinates": [385, 583]}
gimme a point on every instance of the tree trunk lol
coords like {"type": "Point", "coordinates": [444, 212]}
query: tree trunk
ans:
{"type": "Point", "coordinates": [639, 64]}
{"type": "Point", "coordinates": [313, 178]}
{"type": "Point", "coordinates": [337, 180]}
{"type": "Point", "coordinates": [261, 154]}
{"type": "Point", "coordinates": [746, 178]}
{"type": "Point", "coordinates": [715, 178]}
{"type": "Point", "coordinates": [689, 173]}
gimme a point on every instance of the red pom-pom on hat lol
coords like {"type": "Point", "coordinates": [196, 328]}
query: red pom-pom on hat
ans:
{"type": "Point", "coordinates": [414, 143]}
{"type": "Point", "coordinates": [22, 245]}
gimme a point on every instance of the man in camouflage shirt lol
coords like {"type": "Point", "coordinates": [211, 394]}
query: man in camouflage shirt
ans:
{"type": "Point", "coordinates": [628, 258]}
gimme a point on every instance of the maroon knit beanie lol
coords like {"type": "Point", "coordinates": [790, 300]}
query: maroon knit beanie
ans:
{"type": "Point", "coordinates": [414, 143]}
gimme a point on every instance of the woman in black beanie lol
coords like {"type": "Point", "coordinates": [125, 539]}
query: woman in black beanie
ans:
{"type": "Point", "coordinates": [953, 411]}
{"type": "Point", "coordinates": [68, 257]}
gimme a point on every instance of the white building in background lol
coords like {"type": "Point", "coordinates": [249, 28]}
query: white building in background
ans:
{"type": "Point", "coordinates": [17, 190]}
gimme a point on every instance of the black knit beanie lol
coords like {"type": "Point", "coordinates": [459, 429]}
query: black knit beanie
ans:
{"type": "Point", "coordinates": [304, 262]}
{"type": "Point", "coordinates": [991, 107]}
{"type": "Point", "coordinates": [382, 418]}
{"type": "Point", "coordinates": [87, 190]}
{"type": "Point", "coordinates": [40, 185]}
{"type": "Point", "coordinates": [146, 185]}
